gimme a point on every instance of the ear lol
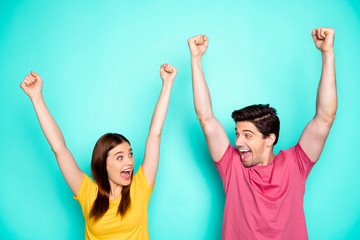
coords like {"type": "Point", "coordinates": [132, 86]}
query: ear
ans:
{"type": "Point", "coordinates": [270, 140]}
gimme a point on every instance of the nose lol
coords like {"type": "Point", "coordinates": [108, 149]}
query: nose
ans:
{"type": "Point", "coordinates": [130, 161]}
{"type": "Point", "coordinates": [239, 142]}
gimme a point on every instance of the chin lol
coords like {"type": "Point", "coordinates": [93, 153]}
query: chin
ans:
{"type": "Point", "coordinates": [125, 184]}
{"type": "Point", "coordinates": [247, 164]}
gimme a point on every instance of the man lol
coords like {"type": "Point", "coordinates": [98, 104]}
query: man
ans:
{"type": "Point", "coordinates": [264, 192]}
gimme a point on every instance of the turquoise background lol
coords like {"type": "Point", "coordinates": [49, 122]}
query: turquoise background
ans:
{"type": "Point", "coordinates": [100, 64]}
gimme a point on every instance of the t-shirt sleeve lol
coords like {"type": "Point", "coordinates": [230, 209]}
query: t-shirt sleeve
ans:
{"type": "Point", "coordinates": [303, 161]}
{"type": "Point", "coordinates": [142, 185]}
{"type": "Point", "coordinates": [87, 191]}
{"type": "Point", "coordinates": [224, 165]}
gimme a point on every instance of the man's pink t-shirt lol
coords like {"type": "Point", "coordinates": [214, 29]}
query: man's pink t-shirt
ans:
{"type": "Point", "coordinates": [264, 202]}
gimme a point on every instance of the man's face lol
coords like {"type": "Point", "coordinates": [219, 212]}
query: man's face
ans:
{"type": "Point", "coordinates": [251, 144]}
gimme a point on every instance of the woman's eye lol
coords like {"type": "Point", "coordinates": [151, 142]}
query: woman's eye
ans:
{"type": "Point", "coordinates": [119, 158]}
{"type": "Point", "coordinates": [131, 154]}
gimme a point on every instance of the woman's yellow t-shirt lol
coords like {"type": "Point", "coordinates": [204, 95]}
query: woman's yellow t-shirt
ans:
{"type": "Point", "coordinates": [134, 225]}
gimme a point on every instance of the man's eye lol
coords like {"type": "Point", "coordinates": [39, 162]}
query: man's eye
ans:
{"type": "Point", "coordinates": [247, 135]}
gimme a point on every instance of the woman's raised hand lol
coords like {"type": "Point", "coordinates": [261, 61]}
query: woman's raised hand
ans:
{"type": "Point", "coordinates": [168, 73]}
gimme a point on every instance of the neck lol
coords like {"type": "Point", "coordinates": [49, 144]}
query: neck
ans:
{"type": "Point", "coordinates": [268, 158]}
{"type": "Point", "coordinates": [115, 190]}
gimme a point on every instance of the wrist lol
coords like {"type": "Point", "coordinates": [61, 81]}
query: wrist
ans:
{"type": "Point", "coordinates": [328, 56]}
{"type": "Point", "coordinates": [329, 53]}
{"type": "Point", "coordinates": [167, 84]}
{"type": "Point", "coordinates": [37, 97]}
{"type": "Point", "coordinates": [196, 58]}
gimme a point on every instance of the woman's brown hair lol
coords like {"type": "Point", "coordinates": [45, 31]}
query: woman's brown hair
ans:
{"type": "Point", "coordinates": [99, 172]}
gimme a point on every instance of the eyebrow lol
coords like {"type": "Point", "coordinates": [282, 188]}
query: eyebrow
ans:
{"type": "Point", "coordinates": [248, 131]}
{"type": "Point", "coordinates": [245, 130]}
{"type": "Point", "coordinates": [130, 150]}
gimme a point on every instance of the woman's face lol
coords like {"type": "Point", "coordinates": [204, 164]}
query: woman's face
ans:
{"type": "Point", "coordinates": [120, 164]}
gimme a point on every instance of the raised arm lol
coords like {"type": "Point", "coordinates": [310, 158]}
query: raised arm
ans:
{"type": "Point", "coordinates": [152, 148]}
{"type": "Point", "coordinates": [32, 86]}
{"type": "Point", "coordinates": [313, 138]}
{"type": "Point", "coordinates": [215, 135]}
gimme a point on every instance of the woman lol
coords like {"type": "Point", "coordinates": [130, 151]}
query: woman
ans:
{"type": "Point", "coordinates": [115, 205]}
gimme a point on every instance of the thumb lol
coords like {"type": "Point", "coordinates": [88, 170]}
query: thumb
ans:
{"type": "Point", "coordinates": [22, 84]}
{"type": "Point", "coordinates": [162, 68]}
{"type": "Point", "coordinates": [206, 40]}
{"type": "Point", "coordinates": [313, 34]}
{"type": "Point", "coordinates": [36, 76]}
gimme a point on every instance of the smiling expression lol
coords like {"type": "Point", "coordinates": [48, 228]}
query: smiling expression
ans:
{"type": "Point", "coordinates": [253, 147]}
{"type": "Point", "coordinates": [120, 164]}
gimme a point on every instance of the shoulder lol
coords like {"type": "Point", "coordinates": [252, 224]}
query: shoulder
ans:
{"type": "Point", "coordinates": [297, 158]}
{"type": "Point", "coordinates": [88, 189]}
{"type": "Point", "coordinates": [228, 162]}
{"type": "Point", "coordinates": [230, 153]}
{"type": "Point", "coordinates": [295, 152]}
{"type": "Point", "coordinates": [140, 182]}
{"type": "Point", "coordinates": [87, 181]}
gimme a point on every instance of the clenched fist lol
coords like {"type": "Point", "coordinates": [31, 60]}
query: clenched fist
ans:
{"type": "Point", "coordinates": [32, 84]}
{"type": "Point", "coordinates": [324, 39]}
{"type": "Point", "coordinates": [168, 73]}
{"type": "Point", "coordinates": [198, 45]}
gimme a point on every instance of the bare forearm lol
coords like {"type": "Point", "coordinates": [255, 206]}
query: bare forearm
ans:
{"type": "Point", "coordinates": [158, 118]}
{"type": "Point", "coordinates": [32, 86]}
{"type": "Point", "coordinates": [201, 92]}
{"type": "Point", "coordinates": [214, 132]}
{"type": "Point", "coordinates": [326, 101]}
{"type": "Point", "coordinates": [48, 125]}
{"type": "Point", "coordinates": [152, 148]}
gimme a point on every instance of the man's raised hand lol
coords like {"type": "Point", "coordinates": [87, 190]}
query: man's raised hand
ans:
{"type": "Point", "coordinates": [198, 45]}
{"type": "Point", "coordinates": [324, 39]}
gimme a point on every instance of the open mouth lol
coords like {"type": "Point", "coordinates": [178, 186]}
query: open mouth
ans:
{"type": "Point", "coordinates": [245, 154]}
{"type": "Point", "coordinates": [126, 174]}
